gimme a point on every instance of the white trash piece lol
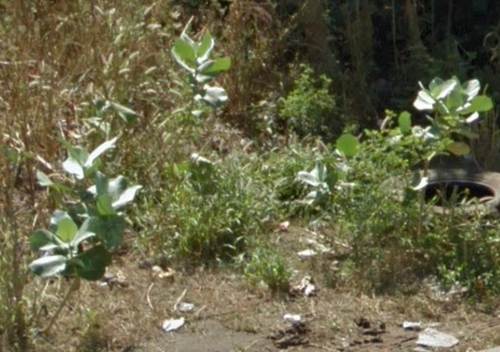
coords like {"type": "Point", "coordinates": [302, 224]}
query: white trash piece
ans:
{"type": "Point", "coordinates": [185, 307]}
{"type": "Point", "coordinates": [292, 318]}
{"type": "Point", "coordinates": [409, 325]}
{"type": "Point", "coordinates": [308, 253]}
{"type": "Point", "coordinates": [432, 338]}
{"type": "Point", "coordinates": [172, 324]}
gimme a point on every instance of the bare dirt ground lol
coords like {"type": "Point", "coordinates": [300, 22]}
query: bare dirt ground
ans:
{"type": "Point", "coordinates": [230, 315]}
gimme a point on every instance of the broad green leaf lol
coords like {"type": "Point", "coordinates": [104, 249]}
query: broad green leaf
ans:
{"type": "Point", "coordinates": [187, 39]}
{"type": "Point", "coordinates": [126, 114]}
{"type": "Point", "coordinates": [79, 154]}
{"type": "Point", "coordinates": [480, 103]}
{"type": "Point", "coordinates": [57, 217]}
{"type": "Point", "coordinates": [311, 197]}
{"type": "Point", "coordinates": [126, 197]}
{"type": "Point", "coordinates": [43, 180]}
{"type": "Point", "coordinates": [99, 150]}
{"type": "Point", "coordinates": [73, 167]}
{"type": "Point", "coordinates": [471, 88]}
{"type": "Point", "coordinates": [90, 171]}
{"type": "Point", "coordinates": [184, 54]}
{"type": "Point", "coordinates": [211, 69]}
{"type": "Point", "coordinates": [434, 83]}
{"type": "Point", "coordinates": [116, 187]}
{"type": "Point", "coordinates": [459, 149]}
{"type": "Point", "coordinates": [308, 178]}
{"type": "Point", "coordinates": [424, 101]}
{"type": "Point", "coordinates": [83, 232]}
{"type": "Point", "coordinates": [215, 67]}
{"type": "Point", "coordinates": [205, 48]}
{"type": "Point", "coordinates": [348, 144]}
{"type": "Point", "coordinates": [454, 100]}
{"type": "Point", "coordinates": [91, 265]}
{"type": "Point", "coordinates": [101, 183]}
{"type": "Point", "coordinates": [104, 205]}
{"type": "Point", "coordinates": [61, 187]}
{"type": "Point", "coordinates": [43, 238]}
{"type": "Point", "coordinates": [48, 266]}
{"type": "Point", "coordinates": [319, 171]}
{"type": "Point", "coordinates": [66, 230]}
{"type": "Point", "coordinates": [404, 122]}
{"type": "Point", "coordinates": [214, 96]}
{"type": "Point", "coordinates": [109, 230]}
{"type": "Point", "coordinates": [444, 89]}
{"type": "Point", "coordinates": [468, 134]}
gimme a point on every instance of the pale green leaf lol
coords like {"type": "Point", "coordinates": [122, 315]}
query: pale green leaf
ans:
{"type": "Point", "coordinates": [42, 238]}
{"type": "Point", "coordinates": [309, 178]}
{"type": "Point", "coordinates": [101, 183]}
{"type": "Point", "coordinates": [104, 205]}
{"type": "Point", "coordinates": [66, 229]}
{"type": "Point", "coordinates": [424, 101]}
{"type": "Point", "coordinates": [109, 230]}
{"type": "Point", "coordinates": [43, 179]}
{"type": "Point", "coordinates": [436, 82]}
{"type": "Point", "coordinates": [73, 167]}
{"type": "Point", "coordinates": [48, 266]}
{"type": "Point", "coordinates": [184, 54]}
{"type": "Point", "coordinates": [480, 103]}
{"type": "Point", "coordinates": [444, 89]}
{"type": "Point", "coordinates": [459, 149]}
{"type": "Point", "coordinates": [205, 48]}
{"type": "Point", "coordinates": [99, 150]}
{"type": "Point", "coordinates": [404, 122]}
{"type": "Point", "coordinates": [83, 232]}
{"type": "Point", "coordinates": [126, 197]}
{"type": "Point", "coordinates": [347, 144]}
{"type": "Point", "coordinates": [215, 67]}
{"type": "Point", "coordinates": [126, 114]}
{"type": "Point", "coordinates": [91, 265]}
{"type": "Point", "coordinates": [214, 96]}
{"type": "Point", "coordinates": [471, 88]}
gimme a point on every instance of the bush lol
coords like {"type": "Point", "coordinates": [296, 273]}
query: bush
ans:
{"type": "Point", "coordinates": [309, 109]}
{"type": "Point", "coordinates": [214, 209]}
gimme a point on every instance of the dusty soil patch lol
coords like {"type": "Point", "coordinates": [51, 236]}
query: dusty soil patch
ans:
{"type": "Point", "coordinates": [229, 315]}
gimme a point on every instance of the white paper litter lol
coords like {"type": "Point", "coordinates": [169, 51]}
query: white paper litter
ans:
{"type": "Point", "coordinates": [172, 324]}
{"type": "Point", "coordinates": [308, 253]}
{"type": "Point", "coordinates": [409, 325]}
{"type": "Point", "coordinates": [185, 307]}
{"type": "Point", "coordinates": [292, 318]}
{"type": "Point", "coordinates": [283, 227]}
{"type": "Point", "coordinates": [432, 338]}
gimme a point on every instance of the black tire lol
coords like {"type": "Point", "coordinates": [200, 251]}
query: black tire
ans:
{"type": "Point", "coordinates": [485, 184]}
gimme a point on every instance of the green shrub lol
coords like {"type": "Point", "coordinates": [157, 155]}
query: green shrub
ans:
{"type": "Point", "coordinates": [214, 209]}
{"type": "Point", "coordinates": [395, 242]}
{"type": "Point", "coordinates": [309, 109]}
{"type": "Point", "coordinates": [269, 267]}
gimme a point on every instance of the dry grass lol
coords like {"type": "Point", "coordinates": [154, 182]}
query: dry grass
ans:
{"type": "Point", "coordinates": [56, 58]}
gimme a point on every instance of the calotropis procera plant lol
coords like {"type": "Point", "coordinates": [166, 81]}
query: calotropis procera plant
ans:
{"type": "Point", "coordinates": [195, 58]}
{"type": "Point", "coordinates": [455, 107]}
{"type": "Point", "coordinates": [329, 173]}
{"type": "Point", "coordinates": [78, 242]}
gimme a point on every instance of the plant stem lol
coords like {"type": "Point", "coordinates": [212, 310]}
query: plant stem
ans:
{"type": "Point", "coordinates": [74, 286]}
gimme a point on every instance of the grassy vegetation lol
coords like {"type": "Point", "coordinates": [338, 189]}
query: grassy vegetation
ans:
{"type": "Point", "coordinates": [220, 176]}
